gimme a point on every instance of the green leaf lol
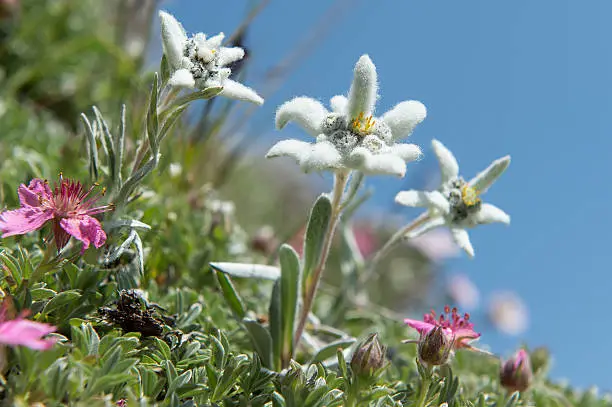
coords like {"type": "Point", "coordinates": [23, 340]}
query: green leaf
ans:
{"type": "Point", "coordinates": [107, 142]}
{"type": "Point", "coordinates": [331, 349]}
{"type": "Point", "coordinates": [207, 93]}
{"type": "Point", "coordinates": [62, 299]}
{"type": "Point", "coordinates": [164, 69]}
{"type": "Point", "coordinates": [152, 116]}
{"type": "Point", "coordinates": [231, 296]}
{"type": "Point", "coordinates": [42, 294]}
{"type": "Point", "coordinates": [93, 147]}
{"type": "Point", "coordinates": [127, 223]}
{"type": "Point", "coordinates": [318, 223]}
{"type": "Point", "coordinates": [171, 118]}
{"type": "Point", "coordinates": [290, 287]}
{"type": "Point", "coordinates": [247, 270]}
{"type": "Point", "coordinates": [119, 148]}
{"type": "Point", "coordinates": [262, 341]}
{"type": "Point", "coordinates": [276, 329]}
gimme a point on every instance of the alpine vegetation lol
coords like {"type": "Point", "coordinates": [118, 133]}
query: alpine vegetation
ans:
{"type": "Point", "coordinates": [167, 271]}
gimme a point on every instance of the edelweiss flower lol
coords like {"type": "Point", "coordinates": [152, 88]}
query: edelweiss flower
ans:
{"type": "Point", "coordinates": [69, 207]}
{"type": "Point", "coordinates": [350, 136]}
{"type": "Point", "coordinates": [456, 203]}
{"type": "Point", "coordinates": [201, 63]}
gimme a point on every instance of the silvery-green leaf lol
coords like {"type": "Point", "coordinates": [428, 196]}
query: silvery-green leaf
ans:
{"type": "Point", "coordinates": [462, 238]}
{"type": "Point", "coordinates": [262, 341]}
{"type": "Point", "coordinates": [130, 223]}
{"type": "Point", "coordinates": [491, 214]}
{"type": "Point", "coordinates": [331, 349]}
{"type": "Point", "coordinates": [449, 168]}
{"type": "Point", "coordinates": [152, 116]}
{"type": "Point", "coordinates": [203, 94]}
{"type": "Point", "coordinates": [238, 91]}
{"type": "Point", "coordinates": [318, 224]}
{"type": "Point", "coordinates": [248, 270]}
{"type": "Point", "coordinates": [307, 112]}
{"type": "Point", "coordinates": [404, 117]}
{"type": "Point", "coordinates": [173, 39]}
{"type": "Point", "coordinates": [290, 295]}
{"type": "Point", "coordinates": [93, 148]}
{"type": "Point", "coordinates": [486, 178]}
{"type": "Point", "coordinates": [231, 295]}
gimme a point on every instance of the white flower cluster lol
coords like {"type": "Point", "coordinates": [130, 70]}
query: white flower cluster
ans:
{"type": "Point", "coordinates": [200, 62]}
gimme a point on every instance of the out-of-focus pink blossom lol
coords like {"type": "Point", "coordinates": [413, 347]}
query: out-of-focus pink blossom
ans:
{"type": "Point", "coordinates": [508, 313]}
{"type": "Point", "coordinates": [69, 207]}
{"type": "Point", "coordinates": [22, 332]}
{"type": "Point", "coordinates": [458, 329]}
{"type": "Point", "coordinates": [438, 245]}
{"type": "Point", "coordinates": [463, 291]}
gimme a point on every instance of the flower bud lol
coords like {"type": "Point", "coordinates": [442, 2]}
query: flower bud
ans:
{"type": "Point", "coordinates": [515, 373]}
{"type": "Point", "coordinates": [369, 357]}
{"type": "Point", "coordinates": [435, 347]}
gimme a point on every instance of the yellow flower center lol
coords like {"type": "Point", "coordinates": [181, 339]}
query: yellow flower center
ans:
{"type": "Point", "coordinates": [469, 195]}
{"type": "Point", "coordinates": [363, 125]}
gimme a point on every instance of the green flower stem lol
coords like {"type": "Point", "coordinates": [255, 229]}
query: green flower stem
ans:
{"type": "Point", "coordinates": [391, 243]}
{"type": "Point", "coordinates": [422, 401]}
{"type": "Point", "coordinates": [340, 180]}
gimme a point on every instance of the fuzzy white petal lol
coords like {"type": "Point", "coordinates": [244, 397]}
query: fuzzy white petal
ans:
{"type": "Point", "coordinates": [364, 89]}
{"type": "Point", "coordinates": [229, 55]}
{"type": "Point", "coordinates": [449, 168]}
{"type": "Point", "coordinates": [173, 39]}
{"type": "Point", "coordinates": [408, 152]}
{"type": "Point", "coordinates": [491, 214]}
{"type": "Point", "coordinates": [462, 238]}
{"type": "Point", "coordinates": [404, 117]}
{"type": "Point", "coordinates": [432, 223]}
{"type": "Point", "coordinates": [323, 156]}
{"type": "Point", "coordinates": [363, 160]}
{"type": "Point", "coordinates": [292, 148]}
{"type": "Point", "coordinates": [429, 199]}
{"type": "Point", "coordinates": [307, 112]}
{"type": "Point", "coordinates": [236, 90]}
{"type": "Point", "coordinates": [317, 156]}
{"type": "Point", "coordinates": [215, 41]}
{"type": "Point", "coordinates": [182, 79]}
{"type": "Point", "coordinates": [486, 178]}
{"type": "Point", "coordinates": [339, 104]}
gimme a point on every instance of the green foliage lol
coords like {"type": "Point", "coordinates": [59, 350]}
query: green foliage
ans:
{"type": "Point", "coordinates": [227, 329]}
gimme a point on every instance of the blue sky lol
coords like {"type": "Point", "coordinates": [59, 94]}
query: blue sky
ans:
{"type": "Point", "coordinates": [532, 79]}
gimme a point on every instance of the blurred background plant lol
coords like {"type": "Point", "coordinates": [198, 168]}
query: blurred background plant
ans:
{"type": "Point", "coordinates": [212, 198]}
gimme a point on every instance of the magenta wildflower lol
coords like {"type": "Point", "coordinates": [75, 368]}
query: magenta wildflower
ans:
{"type": "Point", "coordinates": [458, 329]}
{"type": "Point", "coordinates": [20, 331]}
{"type": "Point", "coordinates": [69, 207]}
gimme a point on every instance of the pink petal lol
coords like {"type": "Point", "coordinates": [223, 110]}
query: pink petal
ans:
{"type": "Point", "coordinates": [86, 229]}
{"type": "Point", "coordinates": [30, 195]}
{"type": "Point", "coordinates": [26, 333]}
{"type": "Point", "coordinates": [23, 220]}
{"type": "Point", "coordinates": [420, 326]}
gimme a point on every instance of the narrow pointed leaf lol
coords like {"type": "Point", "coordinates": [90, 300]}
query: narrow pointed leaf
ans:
{"type": "Point", "coordinates": [290, 285]}
{"type": "Point", "coordinates": [318, 223]}
{"type": "Point", "coordinates": [247, 270]}
{"type": "Point", "coordinates": [276, 328]}
{"type": "Point", "coordinates": [152, 116]}
{"type": "Point", "coordinates": [262, 341]}
{"type": "Point", "coordinates": [231, 296]}
{"type": "Point", "coordinates": [331, 349]}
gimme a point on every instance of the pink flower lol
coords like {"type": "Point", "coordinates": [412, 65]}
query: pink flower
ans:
{"type": "Point", "coordinates": [69, 208]}
{"type": "Point", "coordinates": [458, 330]}
{"type": "Point", "coordinates": [438, 245]}
{"type": "Point", "coordinates": [463, 291]}
{"type": "Point", "coordinates": [20, 331]}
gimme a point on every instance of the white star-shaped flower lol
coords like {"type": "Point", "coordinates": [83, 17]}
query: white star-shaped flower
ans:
{"type": "Point", "coordinates": [350, 137]}
{"type": "Point", "coordinates": [200, 62]}
{"type": "Point", "coordinates": [456, 203]}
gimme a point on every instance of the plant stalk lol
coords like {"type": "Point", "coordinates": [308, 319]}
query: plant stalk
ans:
{"type": "Point", "coordinates": [340, 180]}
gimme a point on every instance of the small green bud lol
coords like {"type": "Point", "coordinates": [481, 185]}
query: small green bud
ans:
{"type": "Point", "coordinates": [369, 357]}
{"type": "Point", "coordinates": [515, 373]}
{"type": "Point", "coordinates": [434, 347]}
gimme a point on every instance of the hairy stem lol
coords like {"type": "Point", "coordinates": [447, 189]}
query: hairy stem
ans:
{"type": "Point", "coordinates": [422, 401]}
{"type": "Point", "coordinates": [391, 243]}
{"type": "Point", "coordinates": [339, 185]}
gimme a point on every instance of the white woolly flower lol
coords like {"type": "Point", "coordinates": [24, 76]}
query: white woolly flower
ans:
{"type": "Point", "coordinates": [350, 136]}
{"type": "Point", "coordinates": [200, 62]}
{"type": "Point", "coordinates": [456, 203]}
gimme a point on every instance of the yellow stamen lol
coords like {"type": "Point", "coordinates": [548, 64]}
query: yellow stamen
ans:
{"type": "Point", "coordinates": [469, 195]}
{"type": "Point", "coordinates": [362, 124]}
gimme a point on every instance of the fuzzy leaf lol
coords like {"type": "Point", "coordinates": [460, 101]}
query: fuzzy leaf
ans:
{"type": "Point", "coordinates": [331, 349]}
{"type": "Point", "coordinates": [318, 223]}
{"type": "Point", "coordinates": [247, 270]}
{"type": "Point", "coordinates": [231, 296]}
{"type": "Point", "coordinates": [290, 295]}
{"type": "Point", "coordinates": [152, 116]}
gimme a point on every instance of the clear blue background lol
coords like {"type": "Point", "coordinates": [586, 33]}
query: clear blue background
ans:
{"type": "Point", "coordinates": [532, 79]}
